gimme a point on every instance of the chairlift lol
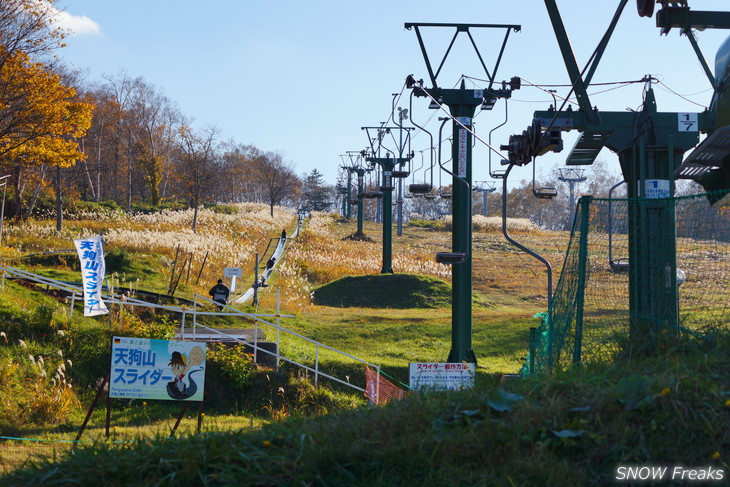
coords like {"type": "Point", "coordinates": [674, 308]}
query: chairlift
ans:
{"type": "Point", "coordinates": [619, 265]}
{"type": "Point", "coordinates": [451, 258]}
{"type": "Point", "coordinates": [422, 188]}
{"type": "Point", "coordinates": [543, 193]}
{"type": "Point", "coordinates": [430, 196]}
{"type": "Point", "coordinates": [616, 265]}
{"type": "Point", "coordinates": [372, 195]}
{"type": "Point", "coordinates": [419, 188]}
{"type": "Point", "coordinates": [497, 173]}
{"type": "Point", "coordinates": [454, 258]}
{"type": "Point", "coordinates": [400, 174]}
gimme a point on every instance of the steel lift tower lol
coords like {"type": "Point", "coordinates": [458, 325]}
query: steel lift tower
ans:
{"type": "Point", "coordinates": [485, 188]}
{"type": "Point", "coordinates": [462, 104]}
{"type": "Point", "coordinates": [650, 145]}
{"type": "Point", "coordinates": [571, 176]}
{"type": "Point", "coordinates": [388, 162]}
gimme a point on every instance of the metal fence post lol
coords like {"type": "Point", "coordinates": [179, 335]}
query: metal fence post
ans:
{"type": "Point", "coordinates": [584, 203]}
{"type": "Point", "coordinates": [316, 364]}
{"type": "Point", "coordinates": [278, 324]}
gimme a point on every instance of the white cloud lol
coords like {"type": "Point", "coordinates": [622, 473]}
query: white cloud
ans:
{"type": "Point", "coordinates": [77, 24]}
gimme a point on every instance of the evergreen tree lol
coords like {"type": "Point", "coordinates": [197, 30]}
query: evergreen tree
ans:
{"type": "Point", "coordinates": [315, 193]}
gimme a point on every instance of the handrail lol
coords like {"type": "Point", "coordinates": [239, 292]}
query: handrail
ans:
{"type": "Point", "coordinates": [112, 297]}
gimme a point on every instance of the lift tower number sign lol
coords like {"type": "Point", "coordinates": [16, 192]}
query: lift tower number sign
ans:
{"type": "Point", "coordinates": [687, 122]}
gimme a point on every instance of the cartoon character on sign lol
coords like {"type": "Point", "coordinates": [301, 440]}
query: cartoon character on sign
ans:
{"type": "Point", "coordinates": [180, 365]}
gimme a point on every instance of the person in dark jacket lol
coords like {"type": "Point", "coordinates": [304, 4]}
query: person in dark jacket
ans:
{"type": "Point", "coordinates": [220, 293]}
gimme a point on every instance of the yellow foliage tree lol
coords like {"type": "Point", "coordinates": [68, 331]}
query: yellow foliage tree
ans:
{"type": "Point", "coordinates": [39, 117]}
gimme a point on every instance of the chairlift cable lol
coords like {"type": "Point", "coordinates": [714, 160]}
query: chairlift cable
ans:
{"type": "Point", "coordinates": [661, 83]}
{"type": "Point", "coordinates": [506, 117]}
{"type": "Point", "coordinates": [440, 106]}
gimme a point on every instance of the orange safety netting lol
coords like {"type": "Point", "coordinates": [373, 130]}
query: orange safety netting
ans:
{"type": "Point", "coordinates": [379, 389]}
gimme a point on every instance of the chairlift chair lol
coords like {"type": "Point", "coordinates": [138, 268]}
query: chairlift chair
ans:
{"type": "Point", "coordinates": [451, 258]}
{"type": "Point", "coordinates": [419, 188]}
{"type": "Point", "coordinates": [546, 193]}
{"type": "Point", "coordinates": [621, 264]}
{"type": "Point", "coordinates": [543, 193]}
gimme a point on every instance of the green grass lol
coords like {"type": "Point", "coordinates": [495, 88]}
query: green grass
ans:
{"type": "Point", "coordinates": [395, 291]}
{"type": "Point", "coordinates": [570, 429]}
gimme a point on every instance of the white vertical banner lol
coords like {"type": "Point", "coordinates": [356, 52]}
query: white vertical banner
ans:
{"type": "Point", "coordinates": [91, 256]}
{"type": "Point", "coordinates": [461, 167]}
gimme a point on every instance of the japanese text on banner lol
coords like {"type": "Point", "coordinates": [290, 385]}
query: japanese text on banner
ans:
{"type": "Point", "coordinates": [91, 256]}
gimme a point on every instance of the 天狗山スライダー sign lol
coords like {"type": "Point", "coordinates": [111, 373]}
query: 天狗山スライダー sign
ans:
{"type": "Point", "coordinates": [143, 368]}
{"type": "Point", "coordinates": [91, 256]}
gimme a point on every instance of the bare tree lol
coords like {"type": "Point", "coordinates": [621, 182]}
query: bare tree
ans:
{"type": "Point", "coordinates": [196, 165]}
{"type": "Point", "coordinates": [275, 178]}
{"type": "Point", "coordinates": [155, 126]}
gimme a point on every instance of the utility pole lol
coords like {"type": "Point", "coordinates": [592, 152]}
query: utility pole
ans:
{"type": "Point", "coordinates": [486, 188]}
{"type": "Point", "coordinates": [571, 176]}
{"type": "Point", "coordinates": [462, 104]}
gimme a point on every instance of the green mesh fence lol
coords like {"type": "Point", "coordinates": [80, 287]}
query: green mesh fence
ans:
{"type": "Point", "coordinates": [590, 317]}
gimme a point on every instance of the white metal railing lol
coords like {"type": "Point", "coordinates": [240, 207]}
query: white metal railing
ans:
{"type": "Point", "coordinates": [76, 293]}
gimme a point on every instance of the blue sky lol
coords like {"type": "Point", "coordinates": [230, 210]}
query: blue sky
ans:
{"type": "Point", "coordinates": [302, 78]}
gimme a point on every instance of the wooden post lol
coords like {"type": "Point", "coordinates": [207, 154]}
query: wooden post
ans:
{"type": "Point", "coordinates": [172, 274]}
{"type": "Point", "coordinates": [93, 405]}
{"type": "Point", "coordinates": [179, 418]}
{"type": "Point", "coordinates": [197, 281]}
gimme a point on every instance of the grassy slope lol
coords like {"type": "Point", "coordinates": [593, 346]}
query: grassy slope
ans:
{"type": "Point", "coordinates": [397, 291]}
{"type": "Point", "coordinates": [459, 438]}
{"type": "Point", "coordinates": [567, 430]}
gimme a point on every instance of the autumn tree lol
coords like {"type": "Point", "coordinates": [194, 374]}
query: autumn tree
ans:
{"type": "Point", "coordinates": [238, 168]}
{"type": "Point", "coordinates": [27, 26]}
{"type": "Point", "coordinates": [276, 179]}
{"type": "Point", "coordinates": [40, 118]}
{"type": "Point", "coordinates": [196, 165]}
{"type": "Point", "coordinates": [155, 121]}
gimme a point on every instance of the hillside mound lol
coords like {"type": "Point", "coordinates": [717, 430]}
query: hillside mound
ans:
{"type": "Point", "coordinates": [385, 291]}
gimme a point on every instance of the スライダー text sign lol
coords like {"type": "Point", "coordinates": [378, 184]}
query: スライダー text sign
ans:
{"type": "Point", "coordinates": [143, 368]}
{"type": "Point", "coordinates": [441, 376]}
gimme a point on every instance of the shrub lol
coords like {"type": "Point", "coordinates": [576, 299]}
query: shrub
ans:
{"type": "Point", "coordinates": [229, 370]}
{"type": "Point", "coordinates": [224, 209]}
{"type": "Point", "coordinates": [117, 260]}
